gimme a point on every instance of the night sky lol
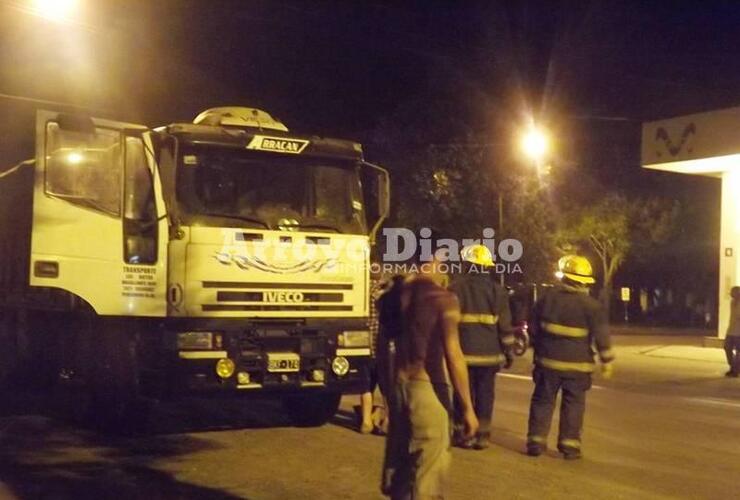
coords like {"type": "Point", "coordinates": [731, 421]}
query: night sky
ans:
{"type": "Point", "coordinates": [590, 71]}
{"type": "Point", "coordinates": [350, 61]}
{"type": "Point", "coordinates": [339, 67]}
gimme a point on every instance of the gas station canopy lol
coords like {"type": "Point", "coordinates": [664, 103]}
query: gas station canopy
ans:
{"type": "Point", "coordinates": [700, 144]}
{"type": "Point", "coordinates": [705, 144]}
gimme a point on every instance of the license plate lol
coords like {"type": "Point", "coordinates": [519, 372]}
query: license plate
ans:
{"type": "Point", "coordinates": [283, 362]}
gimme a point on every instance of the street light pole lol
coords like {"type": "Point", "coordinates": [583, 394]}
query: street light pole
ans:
{"type": "Point", "coordinates": [535, 144]}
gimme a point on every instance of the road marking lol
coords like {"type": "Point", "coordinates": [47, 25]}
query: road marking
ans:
{"type": "Point", "coordinates": [529, 378]}
{"type": "Point", "coordinates": [514, 375]}
{"type": "Point", "coordinates": [715, 401]}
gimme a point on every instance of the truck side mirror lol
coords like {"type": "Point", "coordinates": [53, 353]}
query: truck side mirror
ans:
{"type": "Point", "coordinates": [376, 190]}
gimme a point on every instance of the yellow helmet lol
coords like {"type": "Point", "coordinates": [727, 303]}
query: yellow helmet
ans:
{"type": "Point", "coordinates": [576, 268]}
{"type": "Point", "coordinates": [477, 254]}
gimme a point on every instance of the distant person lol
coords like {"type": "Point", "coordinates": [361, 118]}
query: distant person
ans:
{"type": "Point", "coordinates": [732, 339]}
{"type": "Point", "coordinates": [390, 327]}
{"type": "Point", "coordinates": [367, 423]}
{"type": "Point", "coordinates": [567, 324]}
{"type": "Point", "coordinates": [417, 455]}
{"type": "Point", "coordinates": [486, 335]}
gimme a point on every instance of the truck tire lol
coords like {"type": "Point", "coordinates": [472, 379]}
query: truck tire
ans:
{"type": "Point", "coordinates": [8, 354]}
{"type": "Point", "coordinates": [29, 341]}
{"type": "Point", "coordinates": [311, 410]}
{"type": "Point", "coordinates": [116, 405]}
{"type": "Point", "coordinates": [21, 368]}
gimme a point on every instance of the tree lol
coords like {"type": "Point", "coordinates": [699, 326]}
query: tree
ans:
{"type": "Point", "coordinates": [455, 188]}
{"type": "Point", "coordinates": [448, 174]}
{"type": "Point", "coordinates": [617, 227]}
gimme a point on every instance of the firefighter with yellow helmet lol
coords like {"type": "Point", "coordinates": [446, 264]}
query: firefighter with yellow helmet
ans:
{"type": "Point", "coordinates": [567, 325]}
{"type": "Point", "coordinates": [486, 335]}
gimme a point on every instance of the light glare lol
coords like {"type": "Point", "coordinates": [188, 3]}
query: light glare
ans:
{"type": "Point", "coordinates": [74, 158]}
{"type": "Point", "coordinates": [55, 10]}
{"type": "Point", "coordinates": [535, 143]}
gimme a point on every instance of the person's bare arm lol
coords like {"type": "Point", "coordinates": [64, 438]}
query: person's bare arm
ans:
{"type": "Point", "coordinates": [457, 367]}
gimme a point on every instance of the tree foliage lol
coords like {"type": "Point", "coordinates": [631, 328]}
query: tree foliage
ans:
{"type": "Point", "coordinates": [455, 188]}
{"type": "Point", "coordinates": [616, 228]}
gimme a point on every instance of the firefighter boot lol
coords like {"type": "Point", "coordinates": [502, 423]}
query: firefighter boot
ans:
{"type": "Point", "coordinates": [534, 449]}
{"type": "Point", "coordinates": [570, 448]}
{"type": "Point", "coordinates": [570, 453]}
{"type": "Point", "coordinates": [482, 441]}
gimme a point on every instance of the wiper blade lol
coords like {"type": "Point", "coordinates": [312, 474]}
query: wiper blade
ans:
{"type": "Point", "coordinates": [246, 218]}
{"type": "Point", "coordinates": [311, 225]}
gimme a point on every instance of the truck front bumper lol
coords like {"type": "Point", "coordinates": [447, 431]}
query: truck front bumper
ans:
{"type": "Point", "coordinates": [274, 358]}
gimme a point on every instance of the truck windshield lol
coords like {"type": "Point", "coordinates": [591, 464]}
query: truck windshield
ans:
{"type": "Point", "coordinates": [233, 187]}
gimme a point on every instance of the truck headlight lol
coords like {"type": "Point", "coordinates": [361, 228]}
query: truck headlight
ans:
{"type": "Point", "coordinates": [340, 366]}
{"type": "Point", "coordinates": [195, 340]}
{"type": "Point", "coordinates": [225, 367]}
{"type": "Point", "coordinates": [354, 338]}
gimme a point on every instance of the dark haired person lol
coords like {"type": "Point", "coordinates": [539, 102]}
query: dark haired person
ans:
{"type": "Point", "coordinates": [422, 317]}
{"type": "Point", "coordinates": [369, 424]}
{"type": "Point", "coordinates": [732, 339]}
{"type": "Point", "coordinates": [486, 335]}
{"type": "Point", "coordinates": [567, 324]}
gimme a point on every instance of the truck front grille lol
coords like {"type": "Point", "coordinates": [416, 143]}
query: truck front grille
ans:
{"type": "Point", "coordinates": [237, 296]}
{"type": "Point", "coordinates": [258, 297]}
{"type": "Point", "coordinates": [240, 307]}
{"type": "Point", "coordinates": [278, 286]}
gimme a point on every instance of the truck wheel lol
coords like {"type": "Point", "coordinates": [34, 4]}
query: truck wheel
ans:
{"type": "Point", "coordinates": [311, 410]}
{"type": "Point", "coordinates": [116, 404]}
{"type": "Point", "coordinates": [8, 355]}
{"type": "Point", "coordinates": [20, 365]}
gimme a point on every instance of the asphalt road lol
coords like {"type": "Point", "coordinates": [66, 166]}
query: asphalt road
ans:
{"type": "Point", "coordinates": [667, 426]}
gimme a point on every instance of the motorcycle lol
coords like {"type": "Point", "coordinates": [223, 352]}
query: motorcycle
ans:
{"type": "Point", "coordinates": [521, 338]}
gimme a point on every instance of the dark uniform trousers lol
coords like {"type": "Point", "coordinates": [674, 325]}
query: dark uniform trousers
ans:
{"type": "Point", "coordinates": [483, 391]}
{"type": "Point", "coordinates": [485, 336]}
{"type": "Point", "coordinates": [567, 325]}
{"type": "Point", "coordinates": [572, 407]}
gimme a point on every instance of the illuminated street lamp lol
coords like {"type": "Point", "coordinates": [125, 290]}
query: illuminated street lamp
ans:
{"type": "Point", "coordinates": [56, 10]}
{"type": "Point", "coordinates": [535, 144]}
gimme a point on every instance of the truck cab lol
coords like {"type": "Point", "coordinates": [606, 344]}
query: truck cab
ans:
{"type": "Point", "coordinates": [226, 255]}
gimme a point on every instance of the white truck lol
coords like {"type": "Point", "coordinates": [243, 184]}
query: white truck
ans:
{"type": "Point", "coordinates": [223, 256]}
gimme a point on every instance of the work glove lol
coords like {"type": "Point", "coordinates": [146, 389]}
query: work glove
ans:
{"type": "Point", "coordinates": [607, 369]}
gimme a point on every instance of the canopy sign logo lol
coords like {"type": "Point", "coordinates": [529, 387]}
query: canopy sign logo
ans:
{"type": "Point", "coordinates": [278, 144]}
{"type": "Point", "coordinates": [661, 135]}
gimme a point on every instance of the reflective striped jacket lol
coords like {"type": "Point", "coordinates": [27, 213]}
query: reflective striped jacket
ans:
{"type": "Point", "coordinates": [485, 320]}
{"type": "Point", "coordinates": [568, 328]}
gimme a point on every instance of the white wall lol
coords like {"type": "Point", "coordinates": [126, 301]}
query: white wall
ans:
{"type": "Point", "coordinates": [729, 239]}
